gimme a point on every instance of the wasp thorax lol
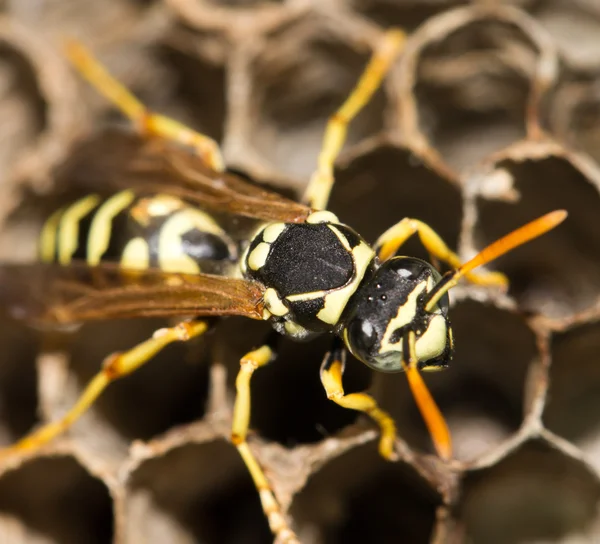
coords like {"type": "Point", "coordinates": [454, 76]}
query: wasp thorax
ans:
{"type": "Point", "coordinates": [310, 271]}
{"type": "Point", "coordinates": [390, 305]}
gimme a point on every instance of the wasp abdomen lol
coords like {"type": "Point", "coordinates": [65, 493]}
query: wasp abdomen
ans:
{"type": "Point", "coordinates": [136, 231]}
{"type": "Point", "coordinates": [310, 271]}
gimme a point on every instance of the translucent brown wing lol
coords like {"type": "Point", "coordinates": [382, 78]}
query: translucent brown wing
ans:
{"type": "Point", "coordinates": [53, 294]}
{"type": "Point", "coordinates": [115, 160]}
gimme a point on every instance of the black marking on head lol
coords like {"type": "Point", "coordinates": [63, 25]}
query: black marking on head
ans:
{"type": "Point", "coordinates": [379, 301]}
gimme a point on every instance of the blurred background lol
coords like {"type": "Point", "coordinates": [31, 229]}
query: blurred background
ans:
{"type": "Point", "coordinates": [490, 118]}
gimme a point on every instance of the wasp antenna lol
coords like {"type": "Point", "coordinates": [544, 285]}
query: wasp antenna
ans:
{"type": "Point", "coordinates": [507, 243]}
{"type": "Point", "coordinates": [434, 420]}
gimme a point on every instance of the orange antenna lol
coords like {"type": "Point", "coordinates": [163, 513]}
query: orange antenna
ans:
{"type": "Point", "coordinates": [507, 243]}
{"type": "Point", "coordinates": [434, 420]}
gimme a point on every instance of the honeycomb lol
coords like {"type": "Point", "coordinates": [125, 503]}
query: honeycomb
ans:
{"type": "Point", "coordinates": [490, 118]}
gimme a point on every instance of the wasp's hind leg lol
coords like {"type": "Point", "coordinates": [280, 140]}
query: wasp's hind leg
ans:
{"type": "Point", "coordinates": [393, 238]}
{"type": "Point", "coordinates": [321, 182]}
{"type": "Point", "coordinates": [239, 431]}
{"type": "Point", "coordinates": [332, 370]}
{"type": "Point", "coordinates": [114, 367]}
{"type": "Point", "coordinates": [147, 122]}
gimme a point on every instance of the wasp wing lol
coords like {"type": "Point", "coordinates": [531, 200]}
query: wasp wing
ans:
{"type": "Point", "coordinates": [49, 294]}
{"type": "Point", "coordinates": [115, 160]}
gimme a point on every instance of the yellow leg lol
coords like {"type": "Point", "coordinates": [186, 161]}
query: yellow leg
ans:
{"type": "Point", "coordinates": [331, 378]}
{"type": "Point", "coordinates": [391, 240]}
{"type": "Point", "coordinates": [114, 367]}
{"type": "Point", "coordinates": [148, 123]}
{"type": "Point", "coordinates": [321, 182]}
{"type": "Point", "coordinates": [239, 431]}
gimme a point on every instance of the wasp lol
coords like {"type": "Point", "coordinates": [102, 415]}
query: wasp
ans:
{"type": "Point", "coordinates": [152, 240]}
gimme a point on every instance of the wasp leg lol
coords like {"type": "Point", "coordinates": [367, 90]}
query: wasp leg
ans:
{"type": "Point", "coordinates": [321, 182]}
{"type": "Point", "coordinates": [115, 366]}
{"type": "Point", "coordinates": [239, 431]}
{"type": "Point", "coordinates": [147, 122]}
{"type": "Point", "coordinates": [332, 370]}
{"type": "Point", "coordinates": [391, 240]}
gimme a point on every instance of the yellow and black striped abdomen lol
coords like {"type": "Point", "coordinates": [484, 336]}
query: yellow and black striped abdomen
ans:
{"type": "Point", "coordinates": [136, 231]}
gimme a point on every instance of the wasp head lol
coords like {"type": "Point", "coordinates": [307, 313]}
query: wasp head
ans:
{"type": "Point", "coordinates": [391, 304]}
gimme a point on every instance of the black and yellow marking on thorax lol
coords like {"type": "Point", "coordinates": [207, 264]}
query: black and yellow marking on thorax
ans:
{"type": "Point", "coordinates": [136, 231]}
{"type": "Point", "coordinates": [310, 269]}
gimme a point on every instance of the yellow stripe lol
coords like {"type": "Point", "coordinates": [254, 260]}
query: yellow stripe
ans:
{"type": "Point", "coordinates": [171, 254]}
{"type": "Point", "coordinates": [335, 301]}
{"type": "Point", "coordinates": [68, 230]}
{"type": "Point", "coordinates": [343, 240]}
{"type": "Point", "coordinates": [48, 237]}
{"type": "Point", "coordinates": [136, 255]}
{"type": "Point", "coordinates": [171, 250]}
{"type": "Point", "coordinates": [101, 227]}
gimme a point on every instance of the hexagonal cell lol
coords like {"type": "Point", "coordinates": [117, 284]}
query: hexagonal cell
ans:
{"type": "Point", "coordinates": [472, 84]}
{"type": "Point", "coordinates": [482, 392]}
{"type": "Point", "coordinates": [574, 28]}
{"type": "Point", "coordinates": [54, 499]}
{"type": "Point", "coordinates": [574, 114]}
{"type": "Point", "coordinates": [196, 76]}
{"type": "Point", "coordinates": [300, 77]}
{"type": "Point", "coordinates": [171, 77]}
{"type": "Point", "coordinates": [289, 404]}
{"type": "Point", "coordinates": [195, 493]}
{"type": "Point", "coordinates": [379, 187]}
{"type": "Point", "coordinates": [574, 398]}
{"type": "Point", "coordinates": [557, 273]}
{"type": "Point", "coordinates": [359, 497]}
{"type": "Point", "coordinates": [169, 390]}
{"type": "Point", "coordinates": [18, 388]}
{"type": "Point", "coordinates": [536, 494]}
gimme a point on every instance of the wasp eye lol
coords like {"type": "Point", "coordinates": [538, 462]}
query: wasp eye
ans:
{"type": "Point", "coordinates": [362, 337]}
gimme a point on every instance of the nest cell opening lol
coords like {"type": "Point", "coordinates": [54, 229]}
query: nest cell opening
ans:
{"type": "Point", "coordinates": [535, 494]}
{"type": "Point", "coordinates": [56, 498]}
{"type": "Point", "coordinates": [557, 273]}
{"type": "Point", "coordinates": [574, 114]}
{"type": "Point", "coordinates": [198, 93]}
{"type": "Point", "coordinates": [169, 390]}
{"type": "Point", "coordinates": [359, 497]}
{"type": "Point", "coordinates": [574, 397]}
{"type": "Point", "coordinates": [196, 492]}
{"type": "Point", "coordinates": [472, 91]}
{"type": "Point", "coordinates": [18, 380]}
{"type": "Point", "coordinates": [172, 77]}
{"type": "Point", "coordinates": [300, 78]}
{"type": "Point", "coordinates": [382, 186]}
{"type": "Point", "coordinates": [289, 404]}
{"type": "Point", "coordinates": [574, 28]}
